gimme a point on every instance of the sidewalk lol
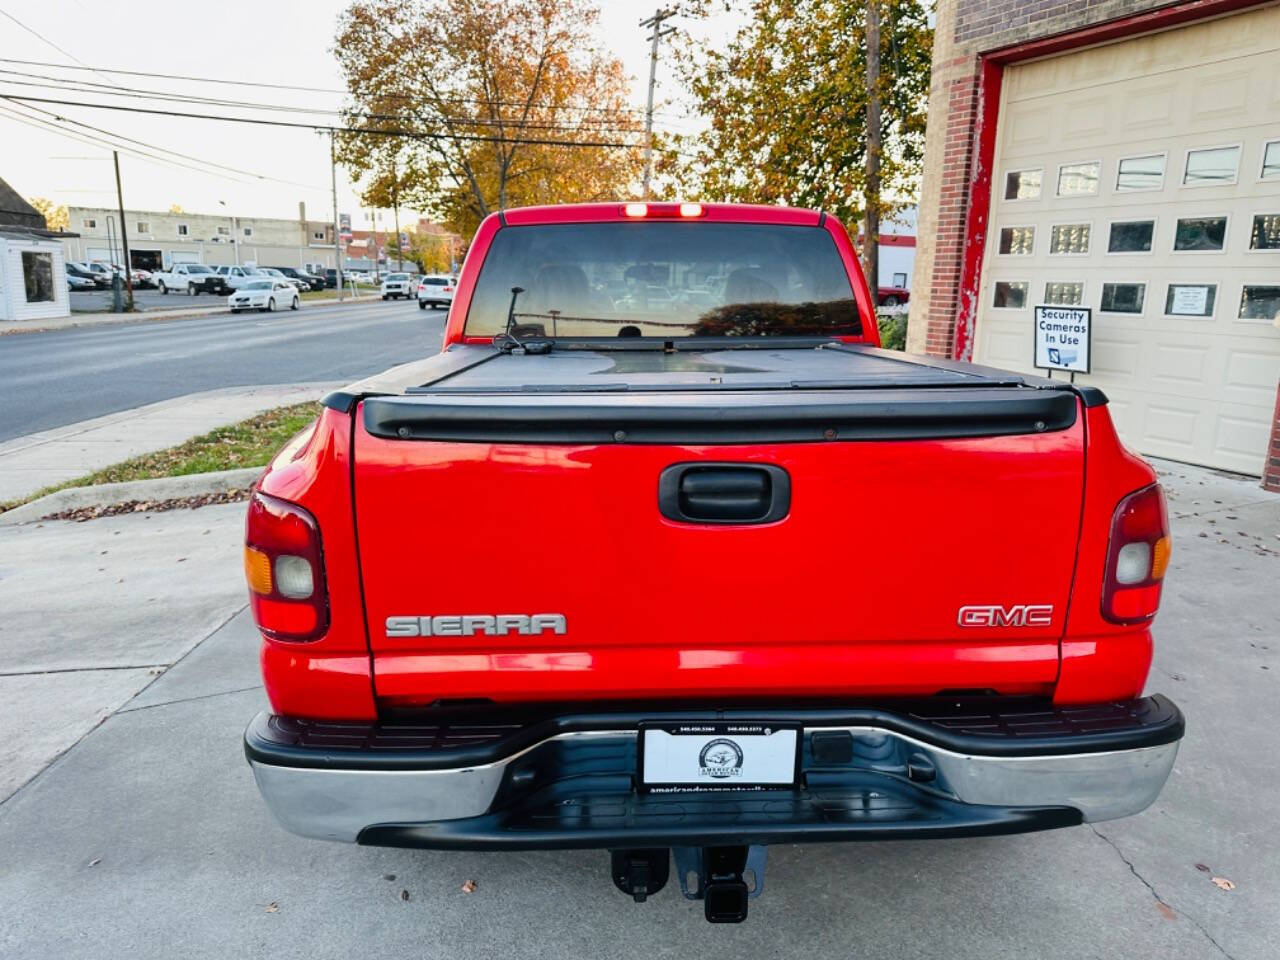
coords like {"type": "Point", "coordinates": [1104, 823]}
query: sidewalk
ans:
{"type": "Point", "coordinates": [38, 460]}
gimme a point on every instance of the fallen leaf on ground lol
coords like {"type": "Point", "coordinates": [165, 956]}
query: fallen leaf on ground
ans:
{"type": "Point", "coordinates": [1222, 883]}
{"type": "Point", "coordinates": [469, 887]}
{"type": "Point", "coordinates": [404, 894]}
{"type": "Point", "coordinates": [95, 861]}
{"type": "Point", "coordinates": [273, 907]}
{"type": "Point", "coordinates": [392, 876]}
{"type": "Point", "coordinates": [1166, 911]}
{"type": "Point", "coordinates": [1202, 867]}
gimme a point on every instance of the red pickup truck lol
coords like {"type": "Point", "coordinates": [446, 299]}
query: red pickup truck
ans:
{"type": "Point", "coordinates": [663, 555]}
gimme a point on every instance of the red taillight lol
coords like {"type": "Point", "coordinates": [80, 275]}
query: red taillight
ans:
{"type": "Point", "coordinates": [284, 566]}
{"type": "Point", "coordinates": [1137, 557]}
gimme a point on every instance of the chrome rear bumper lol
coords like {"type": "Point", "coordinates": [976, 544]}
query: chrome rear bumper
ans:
{"type": "Point", "coordinates": [548, 786]}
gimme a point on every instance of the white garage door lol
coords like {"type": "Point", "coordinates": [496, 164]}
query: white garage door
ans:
{"type": "Point", "coordinates": [1142, 179]}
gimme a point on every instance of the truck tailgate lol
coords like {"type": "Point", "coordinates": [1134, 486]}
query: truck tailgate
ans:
{"type": "Point", "coordinates": [921, 551]}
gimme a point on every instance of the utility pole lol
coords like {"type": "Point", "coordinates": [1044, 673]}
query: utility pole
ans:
{"type": "Point", "coordinates": [395, 206]}
{"type": "Point", "coordinates": [871, 242]}
{"type": "Point", "coordinates": [654, 38]}
{"type": "Point", "coordinates": [337, 239]}
{"type": "Point", "coordinates": [124, 236]}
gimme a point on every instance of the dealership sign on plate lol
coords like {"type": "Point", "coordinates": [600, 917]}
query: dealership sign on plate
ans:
{"type": "Point", "coordinates": [1062, 338]}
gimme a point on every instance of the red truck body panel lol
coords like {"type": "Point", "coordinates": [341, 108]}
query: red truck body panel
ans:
{"type": "Point", "coordinates": [859, 592]}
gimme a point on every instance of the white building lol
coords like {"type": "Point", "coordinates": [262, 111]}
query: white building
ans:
{"type": "Point", "coordinates": [159, 239]}
{"type": "Point", "coordinates": [33, 276]}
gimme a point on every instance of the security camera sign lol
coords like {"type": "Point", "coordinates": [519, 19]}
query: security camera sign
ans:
{"type": "Point", "coordinates": [1062, 337]}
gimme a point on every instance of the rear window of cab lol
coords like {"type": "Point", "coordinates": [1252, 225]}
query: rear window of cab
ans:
{"type": "Point", "coordinates": [664, 279]}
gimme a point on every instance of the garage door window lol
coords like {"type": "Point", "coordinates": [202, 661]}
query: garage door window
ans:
{"type": "Point", "coordinates": [1123, 297]}
{"type": "Point", "coordinates": [1271, 160]}
{"type": "Point", "coordinates": [1141, 173]}
{"type": "Point", "coordinates": [1260, 303]}
{"type": "Point", "coordinates": [1017, 241]}
{"type": "Point", "coordinates": [1201, 234]}
{"type": "Point", "coordinates": [1131, 236]}
{"type": "Point", "coordinates": [1266, 232]}
{"type": "Point", "coordinates": [1064, 294]}
{"type": "Point", "coordinates": [1069, 238]}
{"type": "Point", "coordinates": [1214, 165]}
{"type": "Point", "coordinates": [1190, 299]}
{"type": "Point", "coordinates": [1010, 295]}
{"type": "Point", "coordinates": [1022, 184]}
{"type": "Point", "coordinates": [1078, 179]}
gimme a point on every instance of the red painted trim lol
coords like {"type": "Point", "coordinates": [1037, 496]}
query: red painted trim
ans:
{"type": "Point", "coordinates": [991, 66]}
{"type": "Point", "coordinates": [979, 208]}
{"type": "Point", "coordinates": [1161, 18]}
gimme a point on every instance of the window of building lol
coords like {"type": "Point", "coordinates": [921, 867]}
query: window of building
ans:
{"type": "Point", "coordinates": [1266, 232]}
{"type": "Point", "coordinates": [183, 230]}
{"type": "Point", "coordinates": [1190, 299]}
{"type": "Point", "coordinates": [143, 226]}
{"type": "Point", "coordinates": [89, 224]}
{"type": "Point", "coordinates": [1022, 184]}
{"type": "Point", "coordinates": [224, 231]}
{"type": "Point", "coordinates": [1078, 179]}
{"type": "Point", "coordinates": [1271, 160]}
{"type": "Point", "coordinates": [1260, 303]}
{"type": "Point", "coordinates": [37, 276]}
{"type": "Point", "coordinates": [248, 231]}
{"type": "Point", "coordinates": [317, 235]}
{"type": "Point", "coordinates": [1017, 241]}
{"type": "Point", "coordinates": [1141, 173]}
{"type": "Point", "coordinates": [1212, 165]}
{"type": "Point", "coordinates": [899, 279]}
{"type": "Point", "coordinates": [1069, 238]}
{"type": "Point", "coordinates": [1064, 294]}
{"type": "Point", "coordinates": [1131, 236]}
{"type": "Point", "coordinates": [1123, 297]}
{"type": "Point", "coordinates": [1010, 295]}
{"type": "Point", "coordinates": [1201, 233]}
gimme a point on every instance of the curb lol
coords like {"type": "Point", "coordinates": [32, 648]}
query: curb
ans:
{"type": "Point", "coordinates": [147, 316]}
{"type": "Point", "coordinates": [107, 494]}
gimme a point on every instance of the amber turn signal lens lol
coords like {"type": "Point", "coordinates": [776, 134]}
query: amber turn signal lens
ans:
{"type": "Point", "coordinates": [257, 570]}
{"type": "Point", "coordinates": [1160, 558]}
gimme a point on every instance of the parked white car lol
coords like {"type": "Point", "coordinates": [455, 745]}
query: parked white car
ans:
{"type": "Point", "coordinates": [80, 283]}
{"type": "Point", "coordinates": [191, 278]}
{"type": "Point", "coordinates": [237, 277]}
{"type": "Point", "coordinates": [436, 290]}
{"type": "Point", "coordinates": [264, 294]}
{"type": "Point", "coordinates": [397, 285]}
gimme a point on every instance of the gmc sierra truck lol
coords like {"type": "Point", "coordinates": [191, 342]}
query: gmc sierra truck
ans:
{"type": "Point", "coordinates": [662, 555]}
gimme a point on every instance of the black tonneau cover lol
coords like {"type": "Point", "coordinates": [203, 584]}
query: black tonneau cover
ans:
{"type": "Point", "coordinates": [820, 392]}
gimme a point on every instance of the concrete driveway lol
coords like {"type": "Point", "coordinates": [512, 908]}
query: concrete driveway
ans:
{"type": "Point", "coordinates": [147, 838]}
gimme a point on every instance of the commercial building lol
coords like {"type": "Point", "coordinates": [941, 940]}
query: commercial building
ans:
{"type": "Point", "coordinates": [1123, 156]}
{"type": "Point", "coordinates": [159, 239]}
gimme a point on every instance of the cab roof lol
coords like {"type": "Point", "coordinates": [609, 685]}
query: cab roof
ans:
{"type": "Point", "coordinates": [616, 212]}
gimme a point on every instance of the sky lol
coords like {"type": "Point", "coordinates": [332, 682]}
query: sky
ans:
{"type": "Point", "coordinates": [271, 41]}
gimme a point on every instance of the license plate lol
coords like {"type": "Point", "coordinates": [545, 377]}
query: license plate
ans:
{"type": "Point", "coordinates": [699, 757]}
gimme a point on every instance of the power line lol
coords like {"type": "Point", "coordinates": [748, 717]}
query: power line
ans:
{"type": "Point", "coordinates": [373, 131]}
{"type": "Point", "coordinates": [184, 156]}
{"type": "Point", "coordinates": [45, 40]}
{"type": "Point", "coordinates": [142, 94]}
{"type": "Point", "coordinates": [305, 89]}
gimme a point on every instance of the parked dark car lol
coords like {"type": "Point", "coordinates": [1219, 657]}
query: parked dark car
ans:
{"type": "Point", "coordinates": [331, 278]}
{"type": "Point", "coordinates": [306, 281]}
{"type": "Point", "coordinates": [78, 270]}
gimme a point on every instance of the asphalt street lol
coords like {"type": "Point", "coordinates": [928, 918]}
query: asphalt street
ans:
{"type": "Point", "coordinates": [52, 379]}
{"type": "Point", "coordinates": [130, 825]}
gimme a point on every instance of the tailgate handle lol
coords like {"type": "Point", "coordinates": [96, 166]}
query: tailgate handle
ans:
{"type": "Point", "coordinates": [724, 493]}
